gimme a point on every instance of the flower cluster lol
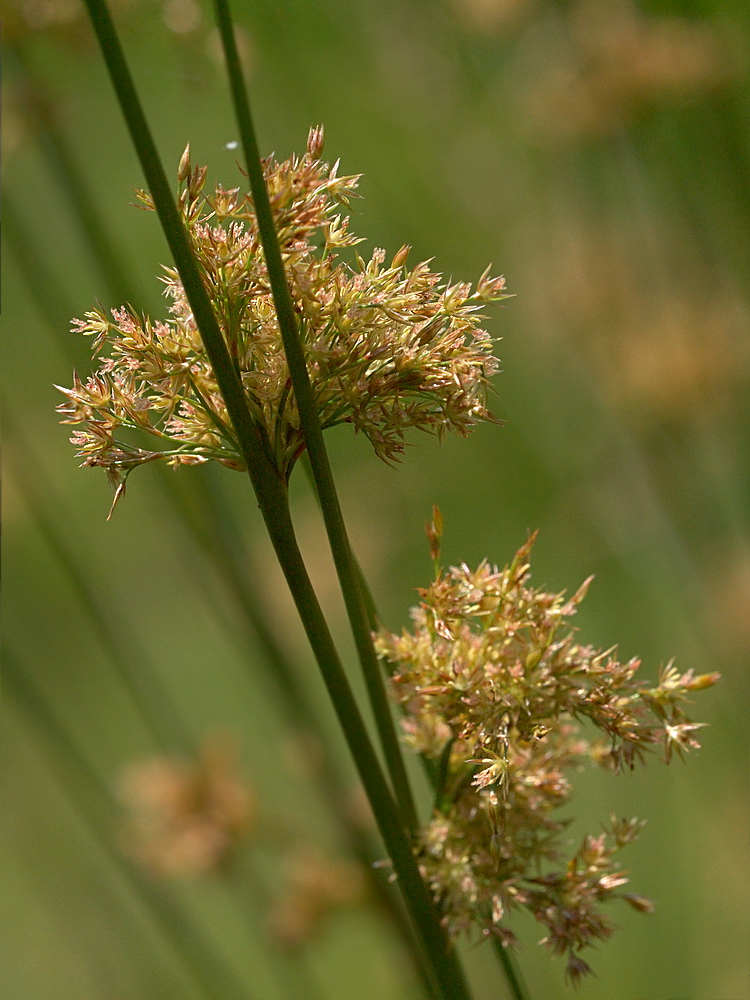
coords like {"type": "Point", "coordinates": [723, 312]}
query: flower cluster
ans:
{"type": "Point", "coordinates": [494, 686]}
{"type": "Point", "coordinates": [187, 818]}
{"type": "Point", "coordinates": [616, 62]}
{"type": "Point", "coordinates": [314, 886]}
{"type": "Point", "coordinates": [388, 348]}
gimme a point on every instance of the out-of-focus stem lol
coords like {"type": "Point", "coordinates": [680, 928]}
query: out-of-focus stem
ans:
{"type": "Point", "coordinates": [207, 969]}
{"type": "Point", "coordinates": [130, 662]}
{"type": "Point", "coordinates": [40, 111]}
{"type": "Point", "coordinates": [49, 294]}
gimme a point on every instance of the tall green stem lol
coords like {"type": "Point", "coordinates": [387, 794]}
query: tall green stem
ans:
{"type": "Point", "coordinates": [214, 531]}
{"type": "Point", "coordinates": [208, 970]}
{"type": "Point", "coordinates": [303, 392]}
{"type": "Point", "coordinates": [40, 110]}
{"type": "Point", "coordinates": [504, 956]}
{"type": "Point", "coordinates": [273, 502]}
{"type": "Point", "coordinates": [213, 528]}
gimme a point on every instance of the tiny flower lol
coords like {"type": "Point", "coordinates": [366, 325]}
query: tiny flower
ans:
{"type": "Point", "coordinates": [435, 532]}
{"type": "Point", "coordinates": [576, 969]}
{"type": "Point", "coordinates": [388, 347]}
{"type": "Point", "coordinates": [638, 902]}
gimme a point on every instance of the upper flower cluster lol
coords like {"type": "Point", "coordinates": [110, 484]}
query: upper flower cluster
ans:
{"type": "Point", "coordinates": [387, 347]}
{"type": "Point", "coordinates": [493, 685]}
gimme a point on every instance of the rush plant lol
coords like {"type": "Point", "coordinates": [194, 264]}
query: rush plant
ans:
{"type": "Point", "coordinates": [277, 330]}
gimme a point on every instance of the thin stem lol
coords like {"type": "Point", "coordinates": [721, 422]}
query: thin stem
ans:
{"type": "Point", "coordinates": [303, 393]}
{"type": "Point", "coordinates": [373, 618]}
{"type": "Point", "coordinates": [208, 970]}
{"type": "Point", "coordinates": [437, 776]}
{"type": "Point", "coordinates": [221, 547]}
{"type": "Point", "coordinates": [215, 531]}
{"type": "Point", "coordinates": [47, 294]}
{"type": "Point", "coordinates": [447, 971]}
{"type": "Point", "coordinates": [129, 661]}
{"type": "Point", "coordinates": [512, 974]}
{"type": "Point", "coordinates": [273, 501]}
{"type": "Point", "coordinates": [39, 108]}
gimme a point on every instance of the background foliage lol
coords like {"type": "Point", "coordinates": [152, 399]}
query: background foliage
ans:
{"type": "Point", "coordinates": [598, 154]}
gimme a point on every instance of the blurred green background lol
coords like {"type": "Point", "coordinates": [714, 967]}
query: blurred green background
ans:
{"type": "Point", "coordinates": [597, 152]}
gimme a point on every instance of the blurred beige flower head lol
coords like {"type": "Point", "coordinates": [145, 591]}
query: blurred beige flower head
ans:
{"type": "Point", "coordinates": [186, 818]}
{"type": "Point", "coordinates": [314, 886]}
{"type": "Point", "coordinates": [494, 685]}
{"type": "Point", "coordinates": [388, 347]}
{"type": "Point", "coordinates": [616, 62]}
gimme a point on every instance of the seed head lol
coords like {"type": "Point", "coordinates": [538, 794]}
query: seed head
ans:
{"type": "Point", "coordinates": [388, 347]}
{"type": "Point", "coordinates": [495, 685]}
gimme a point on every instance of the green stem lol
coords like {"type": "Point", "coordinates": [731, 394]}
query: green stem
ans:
{"type": "Point", "coordinates": [373, 618]}
{"type": "Point", "coordinates": [512, 974]}
{"type": "Point", "coordinates": [437, 776]}
{"type": "Point", "coordinates": [48, 295]}
{"type": "Point", "coordinates": [447, 972]}
{"type": "Point", "coordinates": [221, 543]}
{"type": "Point", "coordinates": [208, 970]}
{"type": "Point", "coordinates": [303, 393]}
{"type": "Point", "coordinates": [272, 498]}
{"type": "Point", "coordinates": [129, 661]}
{"type": "Point", "coordinates": [39, 108]}
{"type": "Point", "coordinates": [221, 547]}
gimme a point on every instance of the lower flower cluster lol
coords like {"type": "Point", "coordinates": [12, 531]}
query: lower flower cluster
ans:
{"type": "Point", "coordinates": [496, 692]}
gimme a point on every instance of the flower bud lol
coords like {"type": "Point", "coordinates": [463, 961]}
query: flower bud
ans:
{"type": "Point", "coordinates": [183, 171]}
{"type": "Point", "coordinates": [315, 142]}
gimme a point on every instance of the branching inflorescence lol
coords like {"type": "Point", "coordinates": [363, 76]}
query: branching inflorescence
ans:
{"type": "Point", "coordinates": [494, 684]}
{"type": "Point", "coordinates": [388, 348]}
{"type": "Point", "coordinates": [492, 681]}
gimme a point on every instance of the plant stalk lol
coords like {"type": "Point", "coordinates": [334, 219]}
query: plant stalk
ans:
{"type": "Point", "coordinates": [38, 105]}
{"type": "Point", "coordinates": [272, 498]}
{"type": "Point", "coordinates": [208, 970]}
{"type": "Point", "coordinates": [303, 393]}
